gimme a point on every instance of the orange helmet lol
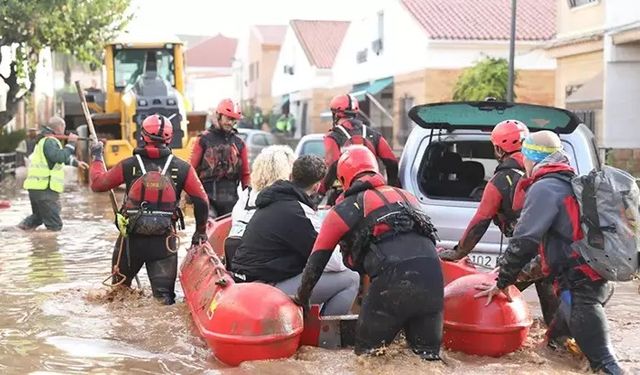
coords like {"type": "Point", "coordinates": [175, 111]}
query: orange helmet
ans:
{"type": "Point", "coordinates": [509, 134]}
{"type": "Point", "coordinates": [344, 105]}
{"type": "Point", "coordinates": [355, 159]}
{"type": "Point", "coordinates": [157, 129]}
{"type": "Point", "coordinates": [227, 108]}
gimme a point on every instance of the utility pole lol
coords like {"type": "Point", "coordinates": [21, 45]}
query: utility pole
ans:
{"type": "Point", "coordinates": [512, 52]}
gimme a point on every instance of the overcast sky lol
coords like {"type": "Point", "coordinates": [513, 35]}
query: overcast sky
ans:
{"type": "Point", "coordinates": [233, 17]}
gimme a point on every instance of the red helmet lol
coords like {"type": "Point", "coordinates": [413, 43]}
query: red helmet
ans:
{"type": "Point", "coordinates": [355, 159]}
{"type": "Point", "coordinates": [157, 129]}
{"type": "Point", "coordinates": [227, 108]}
{"type": "Point", "coordinates": [509, 134]}
{"type": "Point", "coordinates": [344, 105]}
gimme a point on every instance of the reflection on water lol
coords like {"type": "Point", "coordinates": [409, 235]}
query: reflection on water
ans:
{"type": "Point", "coordinates": [58, 318]}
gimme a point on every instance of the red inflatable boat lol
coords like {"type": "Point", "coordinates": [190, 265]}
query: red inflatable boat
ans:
{"type": "Point", "coordinates": [217, 231]}
{"type": "Point", "coordinates": [253, 321]}
{"type": "Point", "coordinates": [239, 322]}
{"type": "Point", "coordinates": [470, 326]}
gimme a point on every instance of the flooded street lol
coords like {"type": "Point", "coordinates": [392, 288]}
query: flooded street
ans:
{"type": "Point", "coordinates": [57, 317]}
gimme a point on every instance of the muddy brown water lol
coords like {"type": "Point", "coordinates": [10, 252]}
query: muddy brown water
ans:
{"type": "Point", "coordinates": [57, 318]}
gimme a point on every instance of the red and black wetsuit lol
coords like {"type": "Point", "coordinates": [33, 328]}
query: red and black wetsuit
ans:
{"type": "Point", "coordinates": [383, 234]}
{"type": "Point", "coordinates": [162, 265]}
{"type": "Point", "coordinates": [496, 204]}
{"type": "Point", "coordinates": [336, 139]}
{"type": "Point", "coordinates": [220, 159]}
{"type": "Point", "coordinates": [548, 226]}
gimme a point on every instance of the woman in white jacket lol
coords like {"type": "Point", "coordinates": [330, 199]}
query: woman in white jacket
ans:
{"type": "Point", "coordinates": [272, 164]}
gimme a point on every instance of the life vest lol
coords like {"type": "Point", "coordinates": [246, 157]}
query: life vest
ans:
{"type": "Point", "coordinates": [507, 176]}
{"type": "Point", "coordinates": [363, 240]}
{"type": "Point", "coordinates": [39, 176]}
{"type": "Point", "coordinates": [359, 134]}
{"type": "Point", "coordinates": [221, 156]}
{"type": "Point", "coordinates": [151, 203]}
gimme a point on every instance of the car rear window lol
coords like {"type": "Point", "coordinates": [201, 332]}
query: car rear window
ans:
{"type": "Point", "coordinates": [313, 147]}
{"type": "Point", "coordinates": [457, 170]}
{"type": "Point", "coordinates": [485, 115]}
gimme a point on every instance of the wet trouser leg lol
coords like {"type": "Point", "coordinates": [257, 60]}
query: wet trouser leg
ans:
{"type": "Point", "coordinates": [45, 208]}
{"type": "Point", "coordinates": [128, 264]}
{"type": "Point", "coordinates": [50, 210]}
{"type": "Point", "coordinates": [336, 291]}
{"type": "Point", "coordinates": [34, 220]}
{"type": "Point", "coordinates": [582, 312]}
{"type": "Point", "coordinates": [548, 300]}
{"type": "Point", "coordinates": [162, 275]}
{"type": "Point", "coordinates": [223, 195]}
{"type": "Point", "coordinates": [406, 295]}
{"type": "Point", "coordinates": [162, 265]}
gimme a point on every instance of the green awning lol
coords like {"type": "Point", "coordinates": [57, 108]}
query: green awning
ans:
{"type": "Point", "coordinates": [360, 90]}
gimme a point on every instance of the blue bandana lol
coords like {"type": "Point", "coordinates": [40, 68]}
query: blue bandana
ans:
{"type": "Point", "coordinates": [536, 153]}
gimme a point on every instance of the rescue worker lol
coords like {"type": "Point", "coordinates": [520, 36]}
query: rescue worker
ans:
{"type": "Point", "coordinates": [382, 233]}
{"type": "Point", "coordinates": [347, 130]}
{"type": "Point", "coordinates": [285, 125]}
{"type": "Point", "coordinates": [45, 175]}
{"type": "Point", "coordinates": [154, 180]}
{"type": "Point", "coordinates": [548, 225]}
{"type": "Point", "coordinates": [497, 205]}
{"type": "Point", "coordinates": [220, 158]}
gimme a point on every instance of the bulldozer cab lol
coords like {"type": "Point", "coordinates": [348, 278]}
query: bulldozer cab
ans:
{"type": "Point", "coordinates": [143, 78]}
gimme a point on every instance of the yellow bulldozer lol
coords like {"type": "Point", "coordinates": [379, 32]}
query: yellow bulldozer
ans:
{"type": "Point", "coordinates": [142, 78]}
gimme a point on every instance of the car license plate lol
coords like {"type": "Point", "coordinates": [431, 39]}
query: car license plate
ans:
{"type": "Point", "coordinates": [484, 260]}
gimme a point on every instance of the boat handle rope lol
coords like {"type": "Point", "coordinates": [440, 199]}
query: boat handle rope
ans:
{"type": "Point", "coordinates": [116, 269]}
{"type": "Point", "coordinates": [218, 267]}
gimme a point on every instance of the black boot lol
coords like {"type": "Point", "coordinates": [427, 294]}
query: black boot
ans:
{"type": "Point", "coordinates": [427, 355]}
{"type": "Point", "coordinates": [611, 368]}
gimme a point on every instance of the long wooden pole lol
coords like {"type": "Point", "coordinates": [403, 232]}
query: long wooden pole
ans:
{"type": "Point", "coordinates": [94, 137]}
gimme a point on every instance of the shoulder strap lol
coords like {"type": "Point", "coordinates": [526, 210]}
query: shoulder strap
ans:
{"type": "Point", "coordinates": [166, 164]}
{"type": "Point", "coordinates": [141, 164]}
{"type": "Point", "coordinates": [344, 131]}
{"type": "Point", "coordinates": [364, 131]}
{"type": "Point", "coordinates": [381, 196]}
{"type": "Point", "coordinates": [246, 204]}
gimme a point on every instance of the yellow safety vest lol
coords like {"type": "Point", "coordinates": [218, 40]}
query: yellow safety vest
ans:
{"type": "Point", "coordinates": [39, 176]}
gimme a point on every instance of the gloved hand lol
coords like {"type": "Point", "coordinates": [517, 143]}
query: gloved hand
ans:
{"type": "Point", "coordinates": [199, 238]}
{"type": "Point", "coordinates": [97, 149]}
{"type": "Point", "coordinates": [304, 303]}
{"type": "Point", "coordinates": [450, 254]}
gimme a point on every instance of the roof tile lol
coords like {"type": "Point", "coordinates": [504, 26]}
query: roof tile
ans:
{"type": "Point", "coordinates": [215, 52]}
{"type": "Point", "coordinates": [320, 40]}
{"type": "Point", "coordinates": [484, 20]}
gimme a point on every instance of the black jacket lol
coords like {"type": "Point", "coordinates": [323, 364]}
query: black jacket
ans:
{"type": "Point", "coordinates": [279, 237]}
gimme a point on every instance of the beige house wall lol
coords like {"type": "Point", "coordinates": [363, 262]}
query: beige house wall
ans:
{"type": "Point", "coordinates": [572, 21]}
{"type": "Point", "coordinates": [576, 70]}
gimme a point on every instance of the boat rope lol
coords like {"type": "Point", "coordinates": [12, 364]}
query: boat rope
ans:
{"type": "Point", "coordinates": [115, 273]}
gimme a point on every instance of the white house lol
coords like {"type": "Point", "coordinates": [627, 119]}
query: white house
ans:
{"type": "Point", "coordinates": [209, 75]}
{"type": "Point", "coordinates": [303, 72]}
{"type": "Point", "coordinates": [621, 74]}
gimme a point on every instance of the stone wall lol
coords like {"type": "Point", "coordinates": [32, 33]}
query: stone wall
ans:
{"type": "Point", "coordinates": [626, 159]}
